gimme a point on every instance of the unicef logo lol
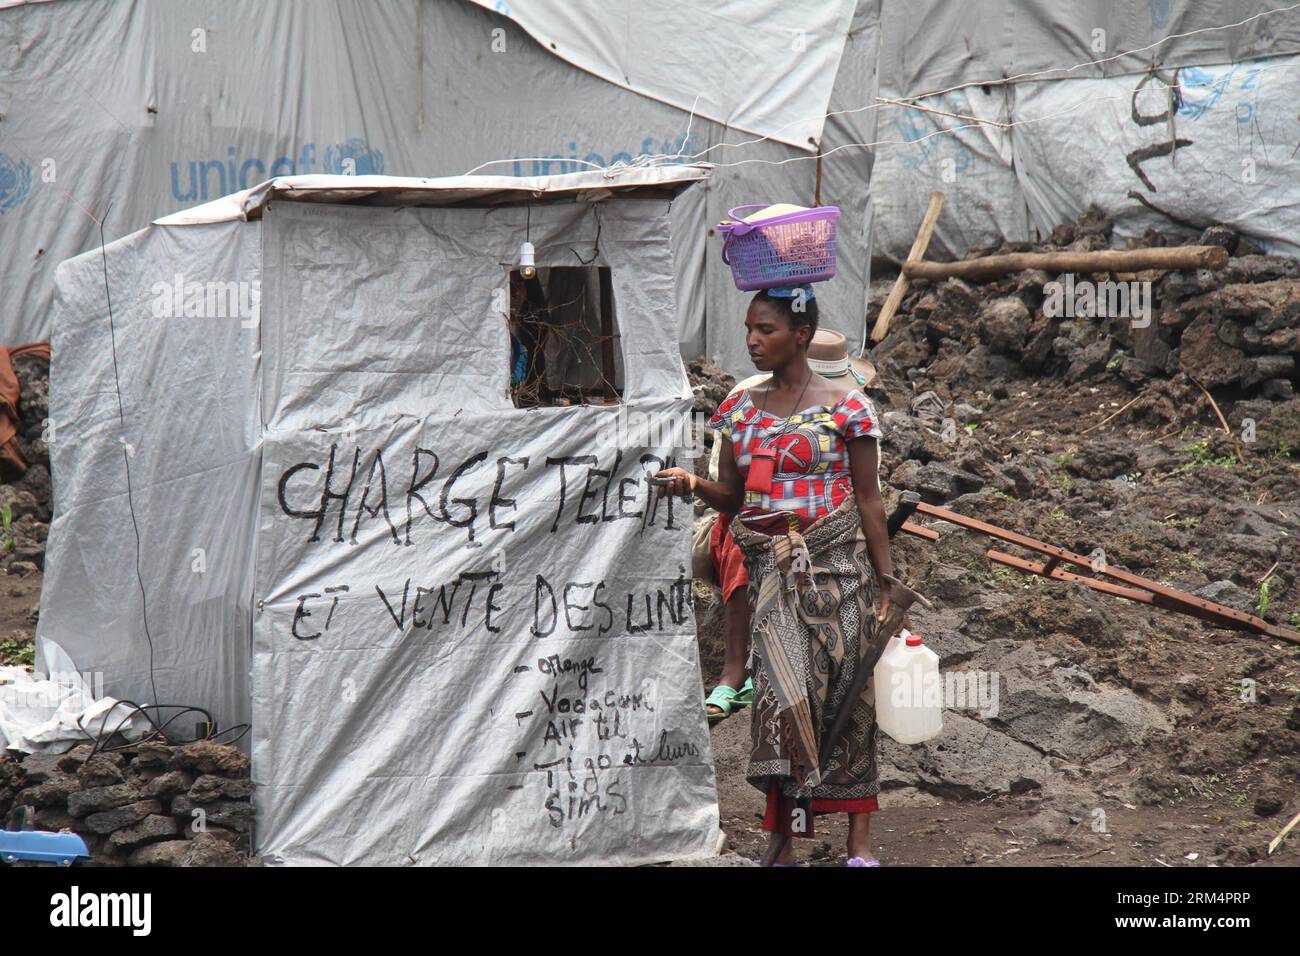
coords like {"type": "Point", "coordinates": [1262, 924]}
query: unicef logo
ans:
{"type": "Point", "coordinates": [353, 158]}
{"type": "Point", "coordinates": [16, 182]}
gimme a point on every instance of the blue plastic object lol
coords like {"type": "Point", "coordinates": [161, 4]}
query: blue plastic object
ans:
{"type": "Point", "coordinates": [42, 846]}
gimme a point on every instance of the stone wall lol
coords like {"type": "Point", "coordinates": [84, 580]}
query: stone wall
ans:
{"type": "Point", "coordinates": [153, 804]}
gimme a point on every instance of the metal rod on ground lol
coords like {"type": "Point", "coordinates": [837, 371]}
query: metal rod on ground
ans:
{"type": "Point", "coordinates": [881, 328]}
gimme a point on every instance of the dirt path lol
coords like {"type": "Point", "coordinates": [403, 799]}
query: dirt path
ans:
{"type": "Point", "coordinates": [914, 828]}
{"type": "Point", "coordinates": [20, 599]}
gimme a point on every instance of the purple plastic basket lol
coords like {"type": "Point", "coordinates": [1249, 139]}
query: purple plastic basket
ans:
{"type": "Point", "coordinates": [784, 250]}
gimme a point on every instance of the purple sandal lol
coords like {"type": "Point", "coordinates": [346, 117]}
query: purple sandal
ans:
{"type": "Point", "coordinates": [859, 861]}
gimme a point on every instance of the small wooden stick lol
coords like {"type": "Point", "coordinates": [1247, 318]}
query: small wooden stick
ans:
{"type": "Point", "coordinates": [1214, 405]}
{"type": "Point", "coordinates": [1109, 417]}
{"type": "Point", "coordinates": [1169, 434]}
{"type": "Point", "coordinates": [881, 328]}
{"type": "Point", "coordinates": [1226, 430]}
{"type": "Point", "coordinates": [1277, 840]}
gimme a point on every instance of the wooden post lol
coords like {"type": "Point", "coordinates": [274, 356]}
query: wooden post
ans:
{"type": "Point", "coordinates": [817, 186]}
{"type": "Point", "coordinates": [607, 370]}
{"type": "Point", "coordinates": [899, 290]}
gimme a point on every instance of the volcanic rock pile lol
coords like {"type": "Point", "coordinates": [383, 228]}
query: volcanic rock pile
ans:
{"type": "Point", "coordinates": [152, 804]}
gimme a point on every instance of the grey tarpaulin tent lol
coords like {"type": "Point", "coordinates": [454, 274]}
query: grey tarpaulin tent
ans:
{"type": "Point", "coordinates": [154, 105]}
{"type": "Point", "coordinates": [461, 630]}
{"type": "Point", "coordinates": [150, 106]}
{"type": "Point", "coordinates": [1090, 121]}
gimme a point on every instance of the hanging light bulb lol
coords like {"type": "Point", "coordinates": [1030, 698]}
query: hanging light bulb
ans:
{"type": "Point", "coordinates": [526, 267]}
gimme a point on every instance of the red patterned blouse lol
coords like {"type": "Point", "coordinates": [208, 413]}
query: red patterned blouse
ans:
{"type": "Point", "coordinates": [812, 472]}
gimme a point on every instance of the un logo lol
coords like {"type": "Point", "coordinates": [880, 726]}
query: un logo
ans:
{"type": "Point", "coordinates": [353, 158]}
{"type": "Point", "coordinates": [15, 182]}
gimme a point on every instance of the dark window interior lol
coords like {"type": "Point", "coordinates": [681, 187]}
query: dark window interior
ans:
{"type": "Point", "coordinates": [565, 347]}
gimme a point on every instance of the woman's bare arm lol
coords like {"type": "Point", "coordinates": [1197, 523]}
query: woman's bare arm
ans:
{"type": "Point", "coordinates": [864, 458]}
{"type": "Point", "coordinates": [725, 495]}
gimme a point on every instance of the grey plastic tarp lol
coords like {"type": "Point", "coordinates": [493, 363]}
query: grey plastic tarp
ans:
{"type": "Point", "coordinates": [486, 653]}
{"type": "Point", "coordinates": [1102, 141]}
{"type": "Point", "coordinates": [935, 44]}
{"type": "Point", "coordinates": [1237, 129]}
{"type": "Point", "coordinates": [188, 426]}
{"type": "Point", "coordinates": [1074, 128]}
{"type": "Point", "coordinates": [125, 105]}
{"type": "Point", "coordinates": [115, 94]}
{"type": "Point", "coordinates": [761, 66]}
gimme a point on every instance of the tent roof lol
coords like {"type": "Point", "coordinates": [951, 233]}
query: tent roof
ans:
{"type": "Point", "coordinates": [762, 66]}
{"type": "Point", "coordinates": [592, 185]}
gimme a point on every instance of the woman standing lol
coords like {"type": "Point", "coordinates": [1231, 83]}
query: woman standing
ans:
{"type": "Point", "coordinates": [799, 472]}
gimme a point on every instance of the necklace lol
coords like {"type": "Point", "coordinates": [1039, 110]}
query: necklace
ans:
{"type": "Point", "coordinates": [797, 403]}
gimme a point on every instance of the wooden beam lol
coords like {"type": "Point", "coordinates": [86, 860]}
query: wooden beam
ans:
{"type": "Point", "coordinates": [1166, 597]}
{"type": "Point", "coordinates": [1106, 260]}
{"type": "Point", "coordinates": [607, 370]}
{"type": "Point", "coordinates": [881, 328]}
{"type": "Point", "coordinates": [1049, 571]}
{"type": "Point", "coordinates": [929, 534]}
{"type": "Point", "coordinates": [1132, 594]}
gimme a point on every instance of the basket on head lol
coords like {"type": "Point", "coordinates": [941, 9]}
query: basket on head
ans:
{"type": "Point", "coordinates": [781, 246]}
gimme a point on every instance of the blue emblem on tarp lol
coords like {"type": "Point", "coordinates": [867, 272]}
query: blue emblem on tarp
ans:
{"type": "Point", "coordinates": [364, 160]}
{"type": "Point", "coordinates": [15, 182]}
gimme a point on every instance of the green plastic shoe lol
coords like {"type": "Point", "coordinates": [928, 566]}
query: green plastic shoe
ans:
{"type": "Point", "coordinates": [744, 696]}
{"type": "Point", "coordinates": [723, 698]}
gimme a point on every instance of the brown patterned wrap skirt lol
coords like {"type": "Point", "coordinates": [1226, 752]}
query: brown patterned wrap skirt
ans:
{"type": "Point", "coordinates": [812, 596]}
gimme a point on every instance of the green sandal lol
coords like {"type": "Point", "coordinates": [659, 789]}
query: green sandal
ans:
{"type": "Point", "coordinates": [744, 696]}
{"type": "Point", "coordinates": [728, 699]}
{"type": "Point", "coordinates": [723, 698]}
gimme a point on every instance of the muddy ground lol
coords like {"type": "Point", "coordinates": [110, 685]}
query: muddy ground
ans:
{"type": "Point", "coordinates": [1123, 734]}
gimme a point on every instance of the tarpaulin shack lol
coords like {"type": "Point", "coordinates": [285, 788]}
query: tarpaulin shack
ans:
{"type": "Point", "coordinates": [461, 629]}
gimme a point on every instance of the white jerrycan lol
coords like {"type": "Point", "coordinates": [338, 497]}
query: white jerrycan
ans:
{"type": "Point", "coordinates": [909, 690]}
